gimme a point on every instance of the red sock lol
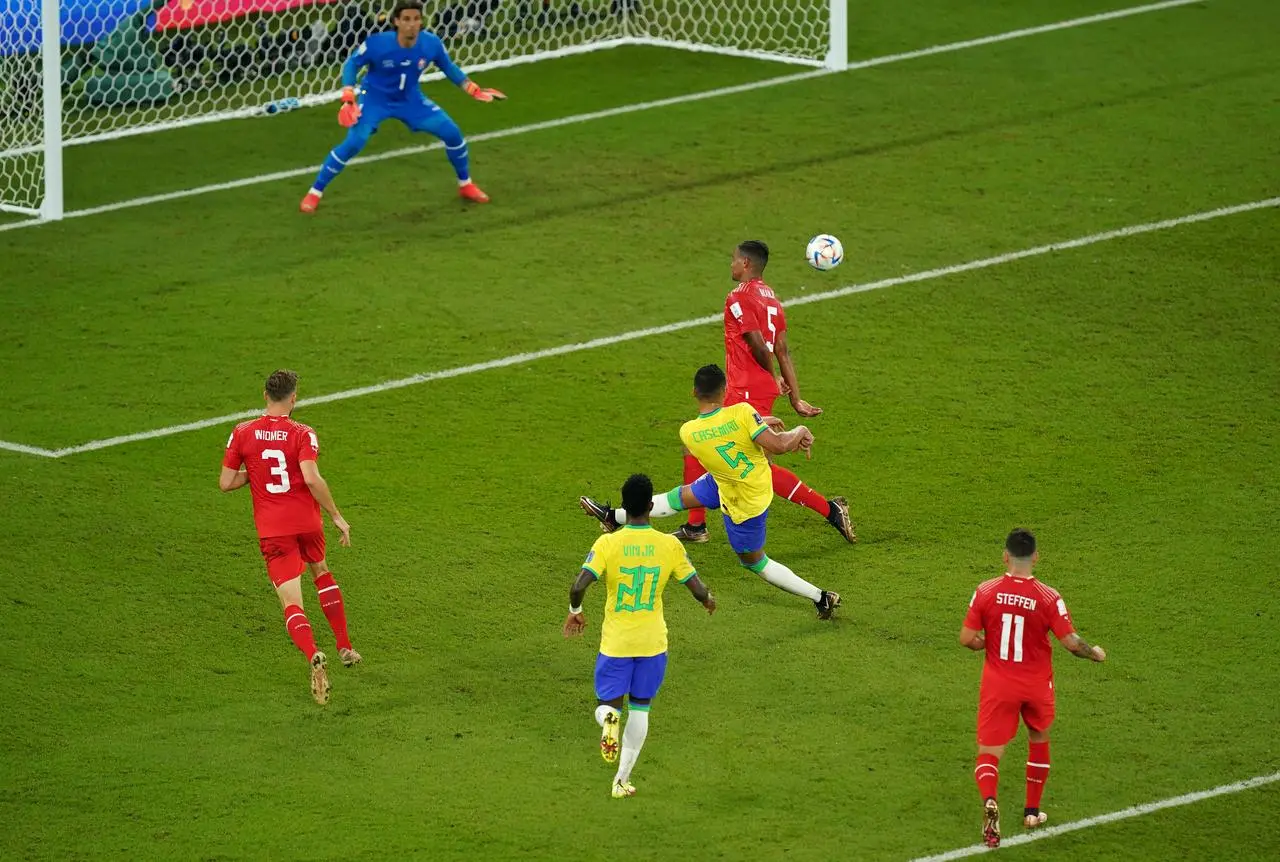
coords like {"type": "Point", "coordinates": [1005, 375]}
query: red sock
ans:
{"type": "Point", "coordinates": [295, 622]}
{"type": "Point", "coordinates": [987, 775]}
{"type": "Point", "coordinates": [331, 604]}
{"type": "Point", "coordinates": [788, 486]}
{"type": "Point", "coordinates": [693, 471]}
{"type": "Point", "coordinates": [1037, 773]}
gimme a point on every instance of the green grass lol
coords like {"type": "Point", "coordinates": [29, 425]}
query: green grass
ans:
{"type": "Point", "coordinates": [1120, 399]}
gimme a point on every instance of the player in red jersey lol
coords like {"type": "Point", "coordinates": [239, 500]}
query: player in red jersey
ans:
{"type": "Point", "coordinates": [1010, 617]}
{"type": "Point", "coordinates": [755, 331]}
{"type": "Point", "coordinates": [276, 457]}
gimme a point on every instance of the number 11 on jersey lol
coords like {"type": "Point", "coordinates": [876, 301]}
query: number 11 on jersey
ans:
{"type": "Point", "coordinates": [1011, 624]}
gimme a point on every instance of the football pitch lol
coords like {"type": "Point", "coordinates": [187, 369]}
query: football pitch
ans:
{"type": "Point", "coordinates": [1059, 309]}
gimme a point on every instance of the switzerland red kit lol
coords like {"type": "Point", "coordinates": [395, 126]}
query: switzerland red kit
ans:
{"type": "Point", "coordinates": [1017, 615]}
{"type": "Point", "coordinates": [751, 307]}
{"type": "Point", "coordinates": [290, 530]}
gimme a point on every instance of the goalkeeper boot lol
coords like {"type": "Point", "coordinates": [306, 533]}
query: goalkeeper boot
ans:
{"type": "Point", "coordinates": [623, 789]}
{"type": "Point", "coordinates": [838, 517]}
{"type": "Point", "coordinates": [991, 823]}
{"type": "Point", "coordinates": [319, 679]}
{"type": "Point", "coordinates": [601, 512]}
{"type": "Point", "coordinates": [310, 202]}
{"type": "Point", "coordinates": [471, 192]}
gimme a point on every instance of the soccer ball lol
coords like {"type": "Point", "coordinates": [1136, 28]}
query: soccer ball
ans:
{"type": "Point", "coordinates": [824, 252]}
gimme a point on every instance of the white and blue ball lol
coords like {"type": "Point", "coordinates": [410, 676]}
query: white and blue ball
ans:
{"type": "Point", "coordinates": [824, 252]}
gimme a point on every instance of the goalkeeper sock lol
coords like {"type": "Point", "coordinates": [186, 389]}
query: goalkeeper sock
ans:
{"type": "Point", "coordinates": [785, 579]}
{"type": "Point", "coordinates": [788, 485]}
{"type": "Point", "coordinates": [332, 166]}
{"type": "Point", "coordinates": [633, 736]}
{"type": "Point", "coordinates": [693, 471]}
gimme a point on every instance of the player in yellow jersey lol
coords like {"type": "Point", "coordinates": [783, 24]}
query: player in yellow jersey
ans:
{"type": "Point", "coordinates": [733, 443]}
{"type": "Point", "coordinates": [635, 563]}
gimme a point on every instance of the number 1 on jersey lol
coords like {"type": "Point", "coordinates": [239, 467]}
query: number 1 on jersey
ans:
{"type": "Point", "coordinates": [1011, 624]}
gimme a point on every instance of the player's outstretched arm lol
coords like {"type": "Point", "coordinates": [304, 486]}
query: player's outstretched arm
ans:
{"type": "Point", "coordinates": [231, 479]}
{"type": "Point", "coordinates": [441, 60]}
{"type": "Point", "coordinates": [349, 113]}
{"type": "Point", "coordinates": [1080, 648]}
{"type": "Point", "coordinates": [320, 490]}
{"type": "Point", "coordinates": [576, 622]}
{"type": "Point", "coordinates": [790, 384]}
{"type": "Point", "coordinates": [972, 639]}
{"type": "Point", "coordinates": [701, 593]}
{"type": "Point", "coordinates": [798, 438]}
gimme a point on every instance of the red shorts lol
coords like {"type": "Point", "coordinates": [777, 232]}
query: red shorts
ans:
{"type": "Point", "coordinates": [286, 555]}
{"type": "Point", "coordinates": [998, 717]}
{"type": "Point", "coordinates": [761, 404]}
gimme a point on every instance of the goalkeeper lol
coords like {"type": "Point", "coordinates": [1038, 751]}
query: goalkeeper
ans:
{"type": "Point", "coordinates": [395, 60]}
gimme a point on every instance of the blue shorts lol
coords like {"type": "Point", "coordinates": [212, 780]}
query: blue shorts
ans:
{"type": "Point", "coordinates": [419, 114]}
{"type": "Point", "coordinates": [743, 538]}
{"type": "Point", "coordinates": [638, 677]}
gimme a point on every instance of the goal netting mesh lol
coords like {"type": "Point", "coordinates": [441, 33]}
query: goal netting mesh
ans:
{"type": "Point", "coordinates": [133, 66]}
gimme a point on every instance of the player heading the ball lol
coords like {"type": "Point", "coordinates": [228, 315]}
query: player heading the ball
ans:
{"type": "Point", "coordinates": [394, 61]}
{"type": "Point", "coordinates": [1009, 619]}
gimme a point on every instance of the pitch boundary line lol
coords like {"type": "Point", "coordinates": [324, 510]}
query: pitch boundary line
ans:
{"type": "Point", "coordinates": [609, 340]}
{"type": "Point", "coordinates": [1101, 819]}
{"type": "Point", "coordinates": [622, 110]}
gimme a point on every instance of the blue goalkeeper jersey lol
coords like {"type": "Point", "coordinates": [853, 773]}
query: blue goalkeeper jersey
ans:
{"type": "Point", "coordinates": [393, 70]}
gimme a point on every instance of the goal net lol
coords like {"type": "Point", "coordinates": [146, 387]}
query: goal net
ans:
{"type": "Point", "coordinates": [135, 66]}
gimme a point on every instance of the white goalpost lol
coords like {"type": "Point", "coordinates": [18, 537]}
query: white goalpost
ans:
{"type": "Point", "coordinates": [73, 72]}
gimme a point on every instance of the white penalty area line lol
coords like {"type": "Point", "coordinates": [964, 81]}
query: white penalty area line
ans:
{"type": "Point", "coordinates": [1101, 819]}
{"type": "Point", "coordinates": [607, 341]}
{"type": "Point", "coordinates": [628, 109]}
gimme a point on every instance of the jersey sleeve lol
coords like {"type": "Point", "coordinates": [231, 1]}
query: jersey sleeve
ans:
{"type": "Point", "coordinates": [1060, 621]}
{"type": "Point", "coordinates": [596, 562]}
{"type": "Point", "coordinates": [439, 57]}
{"type": "Point", "coordinates": [755, 422]}
{"type": "Point", "coordinates": [746, 311]}
{"type": "Point", "coordinates": [973, 619]}
{"type": "Point", "coordinates": [351, 69]}
{"type": "Point", "coordinates": [683, 569]}
{"type": "Point", "coordinates": [308, 446]}
{"type": "Point", "coordinates": [232, 459]}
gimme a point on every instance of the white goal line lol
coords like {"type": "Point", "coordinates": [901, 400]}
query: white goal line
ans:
{"type": "Point", "coordinates": [1099, 820]}
{"type": "Point", "coordinates": [625, 109]}
{"type": "Point", "coordinates": [606, 341]}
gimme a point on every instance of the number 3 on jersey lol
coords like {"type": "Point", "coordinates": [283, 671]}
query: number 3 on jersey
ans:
{"type": "Point", "coordinates": [1011, 624]}
{"type": "Point", "coordinates": [281, 470]}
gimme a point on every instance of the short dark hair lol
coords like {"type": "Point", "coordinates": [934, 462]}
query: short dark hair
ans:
{"type": "Point", "coordinates": [637, 495]}
{"type": "Point", "coordinates": [709, 381]}
{"type": "Point", "coordinates": [1021, 544]}
{"type": "Point", "coordinates": [755, 251]}
{"type": "Point", "coordinates": [402, 5]}
{"type": "Point", "coordinates": [281, 384]}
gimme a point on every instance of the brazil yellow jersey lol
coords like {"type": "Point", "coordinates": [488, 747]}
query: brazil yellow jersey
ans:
{"type": "Point", "coordinates": [724, 441]}
{"type": "Point", "coordinates": [635, 564]}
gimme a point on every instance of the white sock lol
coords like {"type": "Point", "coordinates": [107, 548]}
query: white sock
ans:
{"type": "Point", "coordinates": [465, 182]}
{"type": "Point", "coordinates": [661, 509]}
{"type": "Point", "coordinates": [315, 191]}
{"type": "Point", "coordinates": [632, 741]}
{"type": "Point", "coordinates": [602, 711]}
{"type": "Point", "coordinates": [785, 579]}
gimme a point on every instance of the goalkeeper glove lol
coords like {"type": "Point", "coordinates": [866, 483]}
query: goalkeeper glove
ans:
{"type": "Point", "coordinates": [349, 113]}
{"type": "Point", "coordinates": [482, 94]}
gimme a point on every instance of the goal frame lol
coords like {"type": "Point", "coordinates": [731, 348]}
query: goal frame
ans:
{"type": "Point", "coordinates": [51, 147]}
